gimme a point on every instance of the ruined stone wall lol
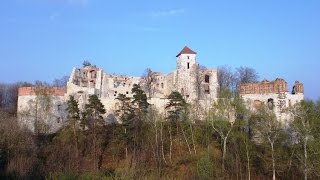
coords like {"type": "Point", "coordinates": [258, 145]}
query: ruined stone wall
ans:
{"type": "Point", "coordinates": [274, 95]}
{"type": "Point", "coordinates": [209, 84]}
{"type": "Point", "coordinates": [45, 110]}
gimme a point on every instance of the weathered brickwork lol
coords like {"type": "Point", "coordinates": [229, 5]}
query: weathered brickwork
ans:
{"type": "Point", "coordinates": [264, 87]}
{"type": "Point", "coordinates": [54, 91]}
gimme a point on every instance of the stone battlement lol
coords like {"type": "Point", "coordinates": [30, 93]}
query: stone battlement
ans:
{"type": "Point", "coordinates": [29, 91]}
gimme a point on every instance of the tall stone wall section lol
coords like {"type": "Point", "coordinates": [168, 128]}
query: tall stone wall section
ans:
{"type": "Point", "coordinates": [42, 109]}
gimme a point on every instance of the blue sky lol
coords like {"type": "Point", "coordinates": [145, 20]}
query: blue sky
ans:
{"type": "Point", "coordinates": [44, 39]}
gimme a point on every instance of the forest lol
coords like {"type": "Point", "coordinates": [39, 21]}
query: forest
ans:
{"type": "Point", "coordinates": [228, 142]}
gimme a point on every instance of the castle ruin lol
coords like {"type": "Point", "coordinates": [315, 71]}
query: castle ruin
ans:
{"type": "Point", "coordinates": [197, 84]}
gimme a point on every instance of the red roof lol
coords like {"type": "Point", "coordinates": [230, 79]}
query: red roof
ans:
{"type": "Point", "coordinates": [186, 50]}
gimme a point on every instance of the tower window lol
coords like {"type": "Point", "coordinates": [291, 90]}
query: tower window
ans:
{"type": "Point", "coordinates": [206, 79]}
{"type": "Point", "coordinates": [188, 65]}
{"type": "Point", "coordinates": [188, 57]}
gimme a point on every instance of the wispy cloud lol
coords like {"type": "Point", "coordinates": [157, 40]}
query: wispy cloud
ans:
{"type": "Point", "coordinates": [169, 12]}
{"type": "Point", "coordinates": [78, 2]}
{"type": "Point", "coordinates": [72, 2]}
{"type": "Point", "coordinates": [54, 16]}
{"type": "Point", "coordinates": [146, 28]}
{"type": "Point", "coordinates": [136, 27]}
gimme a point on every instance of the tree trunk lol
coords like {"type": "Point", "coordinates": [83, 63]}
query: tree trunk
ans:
{"type": "Point", "coordinates": [185, 138]}
{"type": "Point", "coordinates": [170, 149]}
{"type": "Point", "coordinates": [162, 146]}
{"type": "Point", "coordinates": [94, 147]}
{"type": "Point", "coordinates": [248, 162]}
{"type": "Point", "coordinates": [193, 142]}
{"type": "Point", "coordinates": [76, 143]}
{"type": "Point", "coordinates": [126, 148]}
{"type": "Point", "coordinates": [305, 158]}
{"type": "Point", "coordinates": [224, 151]}
{"type": "Point", "coordinates": [273, 162]}
{"type": "Point", "coordinates": [157, 152]}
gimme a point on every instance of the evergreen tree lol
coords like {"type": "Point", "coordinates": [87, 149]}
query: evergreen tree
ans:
{"type": "Point", "coordinates": [94, 111]}
{"type": "Point", "coordinates": [73, 109]}
{"type": "Point", "coordinates": [140, 106]}
{"type": "Point", "coordinates": [176, 106]}
{"type": "Point", "coordinates": [74, 119]}
{"type": "Point", "coordinates": [140, 101]}
{"type": "Point", "coordinates": [125, 113]}
{"type": "Point", "coordinates": [95, 122]}
{"type": "Point", "coordinates": [176, 109]}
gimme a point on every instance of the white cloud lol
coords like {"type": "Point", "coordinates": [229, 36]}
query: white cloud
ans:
{"type": "Point", "coordinates": [169, 12]}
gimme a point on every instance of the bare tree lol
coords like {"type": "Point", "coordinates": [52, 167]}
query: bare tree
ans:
{"type": "Point", "coordinates": [247, 75]}
{"type": "Point", "coordinates": [222, 119]}
{"type": "Point", "coordinates": [62, 82]}
{"type": "Point", "coordinates": [304, 128]}
{"type": "Point", "coordinates": [229, 79]}
{"type": "Point", "coordinates": [17, 148]}
{"type": "Point", "coordinates": [226, 79]}
{"type": "Point", "coordinates": [149, 78]}
{"type": "Point", "coordinates": [9, 96]}
{"type": "Point", "coordinates": [268, 129]}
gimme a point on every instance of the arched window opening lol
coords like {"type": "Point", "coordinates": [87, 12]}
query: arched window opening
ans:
{"type": "Point", "coordinates": [270, 104]}
{"type": "Point", "coordinates": [93, 74]}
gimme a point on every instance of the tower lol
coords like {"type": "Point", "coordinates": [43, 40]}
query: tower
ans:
{"type": "Point", "coordinates": [186, 67]}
